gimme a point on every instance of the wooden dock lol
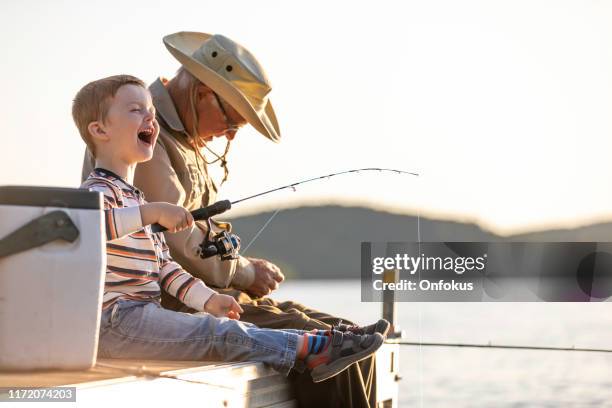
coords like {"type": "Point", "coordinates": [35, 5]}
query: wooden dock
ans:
{"type": "Point", "coordinates": [168, 383]}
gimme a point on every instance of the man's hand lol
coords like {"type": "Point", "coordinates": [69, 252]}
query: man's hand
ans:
{"type": "Point", "coordinates": [267, 277]}
{"type": "Point", "coordinates": [223, 306]}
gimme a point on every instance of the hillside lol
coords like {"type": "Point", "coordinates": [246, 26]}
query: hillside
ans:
{"type": "Point", "coordinates": [324, 242]}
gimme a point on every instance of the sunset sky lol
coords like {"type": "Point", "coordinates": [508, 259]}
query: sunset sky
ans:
{"type": "Point", "coordinates": [503, 107]}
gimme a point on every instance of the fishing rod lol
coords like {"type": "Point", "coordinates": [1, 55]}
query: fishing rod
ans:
{"type": "Point", "coordinates": [497, 346]}
{"type": "Point", "coordinates": [324, 177]}
{"type": "Point", "coordinates": [224, 205]}
{"type": "Point", "coordinates": [226, 245]}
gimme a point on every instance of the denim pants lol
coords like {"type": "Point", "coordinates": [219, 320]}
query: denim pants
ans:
{"type": "Point", "coordinates": [355, 387]}
{"type": "Point", "coordinates": [145, 330]}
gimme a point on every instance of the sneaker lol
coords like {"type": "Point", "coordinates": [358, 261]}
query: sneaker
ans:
{"type": "Point", "coordinates": [382, 326]}
{"type": "Point", "coordinates": [343, 350]}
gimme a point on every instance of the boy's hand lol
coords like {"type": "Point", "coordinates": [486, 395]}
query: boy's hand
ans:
{"type": "Point", "coordinates": [173, 217]}
{"type": "Point", "coordinates": [223, 305]}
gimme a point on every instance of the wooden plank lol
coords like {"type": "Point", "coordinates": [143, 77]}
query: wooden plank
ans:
{"type": "Point", "coordinates": [286, 404]}
{"type": "Point", "coordinates": [215, 384]}
{"type": "Point", "coordinates": [106, 369]}
{"type": "Point", "coordinates": [233, 385]}
{"type": "Point", "coordinates": [387, 375]}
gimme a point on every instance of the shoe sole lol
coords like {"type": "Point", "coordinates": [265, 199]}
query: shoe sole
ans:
{"type": "Point", "coordinates": [325, 371]}
{"type": "Point", "coordinates": [383, 327]}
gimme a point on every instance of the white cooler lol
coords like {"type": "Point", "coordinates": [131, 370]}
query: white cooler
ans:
{"type": "Point", "coordinates": [52, 266]}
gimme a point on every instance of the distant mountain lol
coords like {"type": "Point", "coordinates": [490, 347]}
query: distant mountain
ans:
{"type": "Point", "coordinates": [324, 242]}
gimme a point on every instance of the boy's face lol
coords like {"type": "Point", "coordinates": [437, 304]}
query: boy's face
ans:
{"type": "Point", "coordinates": [130, 125]}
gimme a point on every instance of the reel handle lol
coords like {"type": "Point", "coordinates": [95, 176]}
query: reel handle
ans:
{"type": "Point", "coordinates": [202, 213]}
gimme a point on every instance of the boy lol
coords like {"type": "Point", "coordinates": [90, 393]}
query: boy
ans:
{"type": "Point", "coordinates": [116, 119]}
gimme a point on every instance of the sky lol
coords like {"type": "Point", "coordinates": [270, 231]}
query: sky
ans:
{"type": "Point", "coordinates": [503, 107]}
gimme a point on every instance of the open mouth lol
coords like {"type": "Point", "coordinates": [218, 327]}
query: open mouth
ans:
{"type": "Point", "coordinates": [147, 136]}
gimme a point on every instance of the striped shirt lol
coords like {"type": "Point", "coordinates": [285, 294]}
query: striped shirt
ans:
{"type": "Point", "coordinates": [138, 261]}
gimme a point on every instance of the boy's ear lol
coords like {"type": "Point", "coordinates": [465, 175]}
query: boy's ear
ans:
{"type": "Point", "coordinates": [96, 130]}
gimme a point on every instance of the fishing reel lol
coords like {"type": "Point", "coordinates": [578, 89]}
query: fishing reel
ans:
{"type": "Point", "coordinates": [224, 244]}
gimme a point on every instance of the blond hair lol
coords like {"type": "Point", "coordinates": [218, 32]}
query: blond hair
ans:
{"type": "Point", "coordinates": [92, 102]}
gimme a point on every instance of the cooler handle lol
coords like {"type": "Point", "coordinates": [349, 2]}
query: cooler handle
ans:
{"type": "Point", "coordinates": [40, 231]}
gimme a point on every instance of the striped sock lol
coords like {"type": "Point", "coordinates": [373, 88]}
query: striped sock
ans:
{"type": "Point", "coordinates": [313, 360]}
{"type": "Point", "coordinates": [313, 344]}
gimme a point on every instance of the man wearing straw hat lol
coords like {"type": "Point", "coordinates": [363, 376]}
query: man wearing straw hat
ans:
{"type": "Point", "coordinates": [219, 88]}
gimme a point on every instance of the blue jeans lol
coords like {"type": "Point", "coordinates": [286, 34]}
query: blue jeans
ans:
{"type": "Point", "coordinates": [145, 330]}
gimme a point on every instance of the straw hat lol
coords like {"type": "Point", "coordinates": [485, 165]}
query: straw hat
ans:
{"type": "Point", "coordinates": [232, 72]}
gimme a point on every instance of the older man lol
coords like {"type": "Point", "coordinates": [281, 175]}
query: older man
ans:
{"type": "Point", "coordinates": [219, 88]}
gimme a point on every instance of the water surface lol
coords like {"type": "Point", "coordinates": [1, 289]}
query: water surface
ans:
{"type": "Point", "coordinates": [458, 377]}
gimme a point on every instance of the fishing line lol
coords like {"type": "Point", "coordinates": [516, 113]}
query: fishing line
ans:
{"type": "Point", "coordinates": [421, 358]}
{"type": "Point", "coordinates": [293, 185]}
{"type": "Point", "coordinates": [261, 230]}
{"type": "Point", "coordinates": [497, 346]}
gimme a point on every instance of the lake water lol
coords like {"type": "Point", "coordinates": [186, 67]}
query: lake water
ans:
{"type": "Point", "coordinates": [459, 377]}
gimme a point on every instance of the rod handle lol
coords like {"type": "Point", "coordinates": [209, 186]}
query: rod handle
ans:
{"type": "Point", "coordinates": [202, 213]}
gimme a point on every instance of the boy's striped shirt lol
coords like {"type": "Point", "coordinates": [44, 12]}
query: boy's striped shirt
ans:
{"type": "Point", "coordinates": [138, 261]}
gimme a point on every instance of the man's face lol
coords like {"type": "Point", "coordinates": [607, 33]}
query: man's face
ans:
{"type": "Point", "coordinates": [216, 118]}
{"type": "Point", "coordinates": [130, 124]}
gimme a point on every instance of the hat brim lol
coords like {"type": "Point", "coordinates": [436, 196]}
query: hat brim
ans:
{"type": "Point", "coordinates": [182, 45]}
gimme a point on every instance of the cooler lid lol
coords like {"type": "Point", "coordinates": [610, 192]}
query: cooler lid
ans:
{"type": "Point", "coordinates": [50, 197]}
